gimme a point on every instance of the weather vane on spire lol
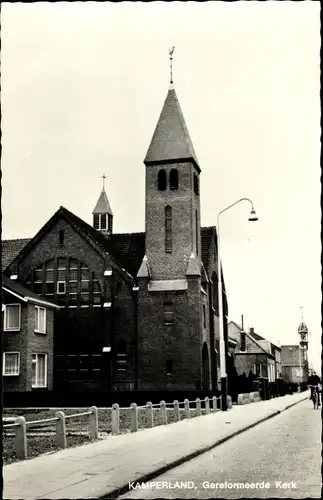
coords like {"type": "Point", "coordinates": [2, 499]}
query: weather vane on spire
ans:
{"type": "Point", "coordinates": [103, 177]}
{"type": "Point", "coordinates": [302, 312]}
{"type": "Point", "coordinates": [171, 51]}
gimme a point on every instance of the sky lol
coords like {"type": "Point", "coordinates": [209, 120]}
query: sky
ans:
{"type": "Point", "coordinates": [83, 85]}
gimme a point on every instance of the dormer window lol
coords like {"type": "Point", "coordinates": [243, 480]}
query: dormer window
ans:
{"type": "Point", "coordinates": [173, 179]}
{"type": "Point", "coordinates": [162, 180]}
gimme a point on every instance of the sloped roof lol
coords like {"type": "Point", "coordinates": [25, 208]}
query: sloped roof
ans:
{"type": "Point", "coordinates": [25, 293]}
{"type": "Point", "coordinates": [127, 248]}
{"type": "Point", "coordinates": [103, 205]}
{"type": "Point", "coordinates": [171, 140]}
{"type": "Point", "coordinates": [10, 249]}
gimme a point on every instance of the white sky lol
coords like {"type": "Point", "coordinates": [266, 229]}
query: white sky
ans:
{"type": "Point", "coordinates": [82, 88]}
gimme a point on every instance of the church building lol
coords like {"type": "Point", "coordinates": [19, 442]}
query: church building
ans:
{"type": "Point", "coordinates": [137, 311]}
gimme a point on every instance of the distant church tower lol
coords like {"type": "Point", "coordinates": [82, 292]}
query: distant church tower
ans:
{"type": "Point", "coordinates": [169, 279]}
{"type": "Point", "coordinates": [102, 213]}
{"type": "Point", "coordinates": [303, 342]}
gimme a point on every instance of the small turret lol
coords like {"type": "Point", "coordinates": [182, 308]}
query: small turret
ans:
{"type": "Point", "coordinates": [102, 213]}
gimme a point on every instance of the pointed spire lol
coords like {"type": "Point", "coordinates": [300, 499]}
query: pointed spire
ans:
{"type": "Point", "coordinates": [171, 140]}
{"type": "Point", "coordinates": [171, 52]}
{"type": "Point", "coordinates": [144, 270]}
{"type": "Point", "coordinates": [193, 268]}
{"type": "Point", "coordinates": [103, 205]}
{"type": "Point", "coordinates": [102, 213]}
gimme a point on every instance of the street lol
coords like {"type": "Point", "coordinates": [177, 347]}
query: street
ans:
{"type": "Point", "coordinates": [282, 455]}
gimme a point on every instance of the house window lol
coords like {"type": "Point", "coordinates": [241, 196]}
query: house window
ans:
{"type": "Point", "coordinates": [12, 315]}
{"type": "Point", "coordinates": [162, 180]}
{"type": "Point", "coordinates": [196, 184]}
{"type": "Point", "coordinates": [40, 319]}
{"type": "Point", "coordinates": [204, 316]}
{"type": "Point", "coordinates": [168, 229]}
{"type": "Point", "coordinates": [169, 367]}
{"type": "Point", "coordinates": [257, 369]}
{"type": "Point", "coordinates": [173, 179]}
{"type": "Point", "coordinates": [61, 237]}
{"type": "Point", "coordinates": [61, 287]}
{"type": "Point", "coordinates": [39, 370]}
{"type": "Point", "coordinates": [11, 363]}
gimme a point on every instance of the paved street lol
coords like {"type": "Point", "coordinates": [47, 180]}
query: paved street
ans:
{"type": "Point", "coordinates": [285, 449]}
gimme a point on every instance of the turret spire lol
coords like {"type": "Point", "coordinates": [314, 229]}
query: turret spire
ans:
{"type": "Point", "coordinates": [171, 52]}
{"type": "Point", "coordinates": [102, 213]}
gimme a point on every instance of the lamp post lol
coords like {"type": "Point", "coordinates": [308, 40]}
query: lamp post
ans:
{"type": "Point", "coordinates": [223, 370]}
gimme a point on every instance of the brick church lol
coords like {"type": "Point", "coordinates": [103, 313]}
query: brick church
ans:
{"type": "Point", "coordinates": [136, 311]}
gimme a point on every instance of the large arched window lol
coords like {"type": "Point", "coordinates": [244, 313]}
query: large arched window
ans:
{"type": "Point", "coordinates": [173, 179]}
{"type": "Point", "coordinates": [68, 282]}
{"type": "Point", "coordinates": [196, 232]}
{"type": "Point", "coordinates": [168, 229]}
{"type": "Point", "coordinates": [162, 180]}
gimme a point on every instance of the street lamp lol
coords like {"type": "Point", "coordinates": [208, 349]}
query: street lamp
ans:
{"type": "Point", "coordinates": [252, 217]}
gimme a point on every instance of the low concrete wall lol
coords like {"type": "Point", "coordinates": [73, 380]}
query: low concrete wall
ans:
{"type": "Point", "coordinates": [247, 398]}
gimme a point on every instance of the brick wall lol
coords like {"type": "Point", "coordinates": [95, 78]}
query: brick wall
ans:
{"type": "Point", "coordinates": [27, 342]}
{"type": "Point", "coordinates": [184, 202]}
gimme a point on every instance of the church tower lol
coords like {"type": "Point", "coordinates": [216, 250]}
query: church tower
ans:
{"type": "Point", "coordinates": [102, 213]}
{"type": "Point", "coordinates": [173, 230]}
{"type": "Point", "coordinates": [169, 279]}
{"type": "Point", "coordinates": [303, 343]}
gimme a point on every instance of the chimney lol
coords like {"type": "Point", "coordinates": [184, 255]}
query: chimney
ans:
{"type": "Point", "coordinates": [251, 330]}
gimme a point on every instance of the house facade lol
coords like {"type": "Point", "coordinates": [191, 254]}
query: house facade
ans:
{"type": "Point", "coordinates": [137, 311]}
{"type": "Point", "coordinates": [28, 338]}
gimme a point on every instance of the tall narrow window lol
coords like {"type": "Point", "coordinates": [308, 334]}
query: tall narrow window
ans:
{"type": "Point", "coordinates": [110, 223]}
{"type": "Point", "coordinates": [204, 316]}
{"type": "Point", "coordinates": [169, 367]}
{"type": "Point", "coordinates": [103, 221]}
{"type": "Point", "coordinates": [173, 179]}
{"type": "Point", "coordinates": [168, 229]}
{"type": "Point", "coordinates": [196, 184]}
{"type": "Point", "coordinates": [61, 237]}
{"type": "Point", "coordinates": [96, 221]}
{"type": "Point", "coordinates": [162, 180]}
{"type": "Point", "coordinates": [196, 232]}
{"type": "Point", "coordinates": [39, 370]}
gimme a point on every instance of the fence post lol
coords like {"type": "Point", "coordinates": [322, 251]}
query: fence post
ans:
{"type": "Point", "coordinates": [94, 423]}
{"type": "Point", "coordinates": [150, 414]}
{"type": "Point", "coordinates": [214, 406]}
{"type": "Point", "coordinates": [163, 412]}
{"type": "Point", "coordinates": [187, 408]}
{"type": "Point", "coordinates": [60, 430]}
{"type": "Point", "coordinates": [134, 417]}
{"type": "Point", "coordinates": [176, 411]}
{"type": "Point", "coordinates": [115, 419]}
{"type": "Point", "coordinates": [207, 405]}
{"type": "Point", "coordinates": [198, 407]}
{"type": "Point", "coordinates": [21, 438]}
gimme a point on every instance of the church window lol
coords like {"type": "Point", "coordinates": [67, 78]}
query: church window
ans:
{"type": "Point", "coordinates": [70, 283]}
{"type": "Point", "coordinates": [61, 237]}
{"type": "Point", "coordinates": [162, 180]}
{"type": "Point", "coordinates": [122, 360]}
{"type": "Point", "coordinates": [110, 223]}
{"type": "Point", "coordinates": [61, 287]}
{"type": "Point", "coordinates": [169, 367]}
{"type": "Point", "coordinates": [197, 232]}
{"type": "Point", "coordinates": [96, 221]}
{"type": "Point", "coordinates": [168, 229]}
{"type": "Point", "coordinates": [173, 179]}
{"type": "Point", "coordinates": [103, 221]}
{"type": "Point", "coordinates": [196, 184]}
{"type": "Point", "coordinates": [204, 316]}
{"type": "Point", "coordinates": [168, 313]}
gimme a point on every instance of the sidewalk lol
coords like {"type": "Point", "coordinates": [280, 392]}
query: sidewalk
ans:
{"type": "Point", "coordinates": [107, 466]}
